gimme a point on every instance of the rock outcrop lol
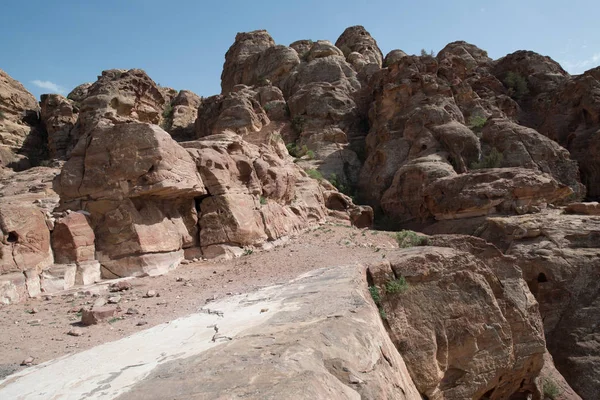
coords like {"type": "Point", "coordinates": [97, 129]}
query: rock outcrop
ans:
{"type": "Point", "coordinates": [316, 337]}
{"type": "Point", "coordinates": [21, 139]}
{"type": "Point", "coordinates": [58, 115]}
{"type": "Point", "coordinates": [466, 324]}
{"type": "Point", "coordinates": [559, 255]}
{"type": "Point", "coordinates": [138, 186]}
{"type": "Point", "coordinates": [150, 200]}
{"type": "Point", "coordinates": [321, 100]}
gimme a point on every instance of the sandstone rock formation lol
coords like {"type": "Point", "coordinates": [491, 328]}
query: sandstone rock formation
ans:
{"type": "Point", "coordinates": [58, 115]}
{"type": "Point", "coordinates": [321, 85]}
{"type": "Point", "coordinates": [182, 115]}
{"type": "Point", "coordinates": [559, 256]}
{"type": "Point", "coordinates": [456, 143]}
{"type": "Point", "coordinates": [21, 139]}
{"type": "Point", "coordinates": [316, 337]}
{"type": "Point", "coordinates": [467, 325]}
{"type": "Point", "coordinates": [150, 200]}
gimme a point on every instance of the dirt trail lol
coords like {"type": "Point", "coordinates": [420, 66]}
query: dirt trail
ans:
{"type": "Point", "coordinates": [43, 335]}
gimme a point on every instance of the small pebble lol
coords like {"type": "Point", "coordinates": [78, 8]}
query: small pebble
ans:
{"type": "Point", "coordinates": [75, 332]}
{"type": "Point", "coordinates": [27, 361]}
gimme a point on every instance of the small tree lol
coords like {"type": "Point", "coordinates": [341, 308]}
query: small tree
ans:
{"type": "Point", "coordinates": [517, 85]}
{"type": "Point", "coordinates": [477, 122]}
{"type": "Point", "coordinates": [424, 53]}
{"type": "Point", "coordinates": [551, 389]}
{"type": "Point", "coordinates": [492, 160]}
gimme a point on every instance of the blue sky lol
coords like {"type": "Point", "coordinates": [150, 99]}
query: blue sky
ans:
{"type": "Point", "coordinates": [52, 46]}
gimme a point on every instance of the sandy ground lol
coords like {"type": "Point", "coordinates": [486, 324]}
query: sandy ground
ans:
{"type": "Point", "coordinates": [43, 335]}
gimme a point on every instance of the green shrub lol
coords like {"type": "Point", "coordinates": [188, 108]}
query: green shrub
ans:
{"type": "Point", "coordinates": [247, 252]}
{"type": "Point", "coordinates": [424, 53]}
{"type": "Point", "coordinates": [296, 152]}
{"type": "Point", "coordinates": [375, 294]}
{"type": "Point", "coordinates": [477, 122]}
{"type": "Point", "coordinates": [396, 286]}
{"type": "Point", "coordinates": [551, 389]}
{"type": "Point", "coordinates": [168, 111]}
{"type": "Point", "coordinates": [292, 149]}
{"type": "Point", "coordinates": [298, 124]}
{"type": "Point", "coordinates": [313, 173]}
{"type": "Point", "coordinates": [382, 313]}
{"type": "Point", "coordinates": [407, 238]}
{"type": "Point", "coordinates": [517, 85]}
{"type": "Point", "coordinates": [263, 200]}
{"type": "Point", "coordinates": [492, 160]}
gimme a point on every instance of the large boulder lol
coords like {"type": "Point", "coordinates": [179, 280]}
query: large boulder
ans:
{"type": "Point", "coordinates": [559, 255]}
{"type": "Point", "coordinates": [500, 190]}
{"type": "Point", "coordinates": [138, 185]}
{"type": "Point", "coordinates": [73, 239]}
{"type": "Point", "coordinates": [25, 242]}
{"type": "Point", "coordinates": [466, 328]}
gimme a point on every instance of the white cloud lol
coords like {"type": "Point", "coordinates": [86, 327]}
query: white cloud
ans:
{"type": "Point", "coordinates": [49, 86]}
{"type": "Point", "coordinates": [578, 67]}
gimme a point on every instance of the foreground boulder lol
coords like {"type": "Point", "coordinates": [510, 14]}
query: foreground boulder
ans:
{"type": "Point", "coordinates": [466, 328]}
{"type": "Point", "coordinates": [319, 336]}
{"type": "Point", "coordinates": [559, 255]}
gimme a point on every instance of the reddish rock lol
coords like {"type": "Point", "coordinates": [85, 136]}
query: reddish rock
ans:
{"type": "Point", "coordinates": [25, 241]}
{"type": "Point", "coordinates": [592, 208]}
{"type": "Point", "coordinates": [73, 239]}
{"type": "Point", "coordinates": [97, 315]}
{"type": "Point", "coordinates": [464, 328]}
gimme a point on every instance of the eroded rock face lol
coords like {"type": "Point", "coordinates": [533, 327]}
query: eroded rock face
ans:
{"type": "Point", "coordinates": [241, 59]}
{"type": "Point", "coordinates": [21, 139]}
{"type": "Point", "coordinates": [321, 89]}
{"type": "Point", "coordinates": [120, 96]}
{"type": "Point", "coordinates": [184, 112]}
{"type": "Point", "coordinates": [25, 242]}
{"type": "Point", "coordinates": [501, 190]}
{"type": "Point", "coordinates": [138, 186]}
{"type": "Point", "coordinates": [443, 118]}
{"type": "Point", "coordinates": [560, 259]}
{"type": "Point", "coordinates": [58, 115]}
{"type": "Point", "coordinates": [466, 328]}
{"type": "Point", "coordinates": [256, 193]}
{"type": "Point", "coordinates": [357, 39]}
{"type": "Point", "coordinates": [568, 113]}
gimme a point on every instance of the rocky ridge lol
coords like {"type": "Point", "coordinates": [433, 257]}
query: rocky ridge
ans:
{"type": "Point", "coordinates": [455, 143]}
